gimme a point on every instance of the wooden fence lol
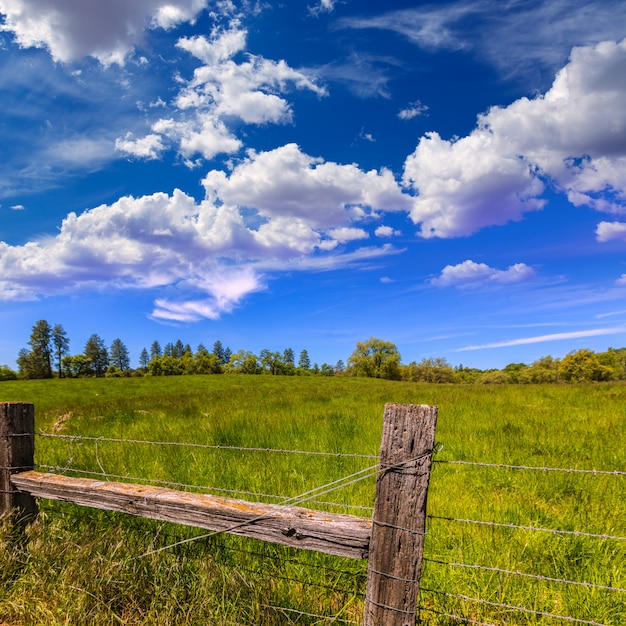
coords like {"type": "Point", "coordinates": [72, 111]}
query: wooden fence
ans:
{"type": "Point", "coordinates": [392, 541]}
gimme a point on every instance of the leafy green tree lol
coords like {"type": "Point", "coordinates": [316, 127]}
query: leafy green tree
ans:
{"type": "Point", "coordinates": [206, 362]}
{"type": "Point", "coordinates": [118, 356]}
{"type": "Point", "coordinates": [327, 370]}
{"type": "Point", "coordinates": [271, 362]}
{"type": "Point", "coordinates": [97, 355]}
{"type": "Point", "coordinates": [340, 367]}
{"type": "Point", "coordinates": [375, 358]}
{"type": "Point", "coordinates": [61, 345]}
{"type": "Point", "coordinates": [304, 363]}
{"type": "Point", "coordinates": [77, 366]}
{"type": "Point", "coordinates": [243, 362]}
{"type": "Point", "coordinates": [583, 366]}
{"type": "Point", "coordinates": [428, 371]}
{"type": "Point", "coordinates": [6, 373]}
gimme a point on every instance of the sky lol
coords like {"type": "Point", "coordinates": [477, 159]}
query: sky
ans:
{"type": "Point", "coordinates": [449, 176]}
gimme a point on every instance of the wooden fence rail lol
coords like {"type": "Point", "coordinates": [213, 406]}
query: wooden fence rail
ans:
{"type": "Point", "coordinates": [392, 540]}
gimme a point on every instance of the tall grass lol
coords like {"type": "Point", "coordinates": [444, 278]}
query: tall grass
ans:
{"type": "Point", "coordinates": [86, 567]}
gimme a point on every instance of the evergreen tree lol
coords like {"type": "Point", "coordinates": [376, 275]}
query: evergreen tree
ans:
{"type": "Point", "coordinates": [155, 350]}
{"type": "Point", "coordinates": [228, 353]}
{"type": "Point", "coordinates": [144, 359]}
{"type": "Point", "coordinates": [96, 355]}
{"type": "Point", "coordinates": [61, 344]}
{"type": "Point", "coordinates": [179, 349]}
{"type": "Point", "coordinates": [218, 351]}
{"type": "Point", "coordinates": [41, 350]}
{"type": "Point", "coordinates": [118, 356]}
{"type": "Point", "coordinates": [304, 363]}
{"type": "Point", "coordinates": [289, 357]}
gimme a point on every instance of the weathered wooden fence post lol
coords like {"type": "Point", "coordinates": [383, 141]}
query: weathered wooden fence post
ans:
{"type": "Point", "coordinates": [17, 452]}
{"type": "Point", "coordinates": [399, 519]}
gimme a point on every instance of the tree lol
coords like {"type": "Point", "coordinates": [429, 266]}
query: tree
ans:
{"type": "Point", "coordinates": [6, 373]}
{"type": "Point", "coordinates": [118, 356]}
{"type": "Point", "coordinates": [179, 349]}
{"type": "Point", "coordinates": [375, 358]}
{"type": "Point", "coordinates": [583, 366]}
{"type": "Point", "coordinates": [144, 359]}
{"type": "Point", "coordinates": [271, 361]}
{"type": "Point", "coordinates": [218, 352]}
{"type": "Point", "coordinates": [289, 357]}
{"type": "Point", "coordinates": [37, 363]}
{"type": "Point", "coordinates": [61, 344]}
{"type": "Point", "coordinates": [97, 355]}
{"type": "Point", "coordinates": [242, 362]}
{"type": "Point", "coordinates": [155, 350]}
{"type": "Point", "coordinates": [304, 363]}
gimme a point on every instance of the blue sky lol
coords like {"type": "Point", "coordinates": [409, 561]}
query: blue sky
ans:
{"type": "Point", "coordinates": [447, 176]}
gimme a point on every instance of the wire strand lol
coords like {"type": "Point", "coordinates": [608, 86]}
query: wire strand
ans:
{"type": "Point", "coordinates": [576, 533]}
{"type": "Point", "coordinates": [525, 575]}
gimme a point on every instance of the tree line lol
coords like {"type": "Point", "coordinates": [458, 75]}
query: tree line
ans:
{"type": "Point", "coordinates": [48, 355]}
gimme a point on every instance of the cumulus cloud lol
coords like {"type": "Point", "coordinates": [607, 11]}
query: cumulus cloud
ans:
{"type": "Point", "coordinates": [471, 274]}
{"type": "Point", "coordinates": [215, 252]}
{"type": "Point", "coordinates": [387, 231]}
{"type": "Point", "coordinates": [227, 86]}
{"type": "Point", "coordinates": [611, 231]}
{"type": "Point", "coordinates": [107, 31]}
{"type": "Point", "coordinates": [574, 136]}
{"type": "Point", "coordinates": [148, 147]}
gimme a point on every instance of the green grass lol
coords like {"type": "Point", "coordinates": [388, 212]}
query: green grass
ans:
{"type": "Point", "coordinates": [80, 566]}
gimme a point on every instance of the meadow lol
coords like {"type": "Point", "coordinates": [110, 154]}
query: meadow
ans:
{"type": "Point", "coordinates": [82, 566]}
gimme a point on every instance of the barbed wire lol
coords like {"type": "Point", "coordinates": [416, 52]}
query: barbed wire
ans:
{"type": "Point", "coordinates": [457, 617]}
{"type": "Point", "coordinates": [209, 446]}
{"type": "Point", "coordinates": [303, 614]}
{"type": "Point", "coordinates": [511, 607]}
{"type": "Point", "coordinates": [74, 438]}
{"type": "Point", "coordinates": [525, 575]}
{"type": "Point", "coordinates": [208, 488]}
{"type": "Point", "coordinates": [576, 533]}
{"type": "Point", "coordinates": [534, 468]}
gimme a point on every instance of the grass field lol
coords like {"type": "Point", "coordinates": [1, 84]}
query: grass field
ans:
{"type": "Point", "coordinates": [80, 566]}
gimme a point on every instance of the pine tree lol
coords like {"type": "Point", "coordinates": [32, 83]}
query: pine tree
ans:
{"type": "Point", "coordinates": [61, 344]}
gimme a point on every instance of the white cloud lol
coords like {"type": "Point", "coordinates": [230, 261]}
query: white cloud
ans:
{"type": "Point", "coordinates": [224, 88]}
{"type": "Point", "coordinates": [611, 231]}
{"type": "Point", "coordinates": [345, 234]}
{"type": "Point", "coordinates": [212, 253]}
{"type": "Point", "coordinates": [415, 109]}
{"type": "Point", "coordinates": [526, 38]}
{"type": "Point", "coordinates": [107, 31]}
{"type": "Point", "coordinates": [581, 334]}
{"type": "Point", "coordinates": [387, 231]}
{"type": "Point", "coordinates": [575, 135]}
{"type": "Point", "coordinates": [148, 147]}
{"type": "Point", "coordinates": [18, 207]}
{"type": "Point", "coordinates": [288, 182]}
{"type": "Point", "coordinates": [471, 274]}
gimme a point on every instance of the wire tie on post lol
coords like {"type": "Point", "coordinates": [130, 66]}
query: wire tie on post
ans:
{"type": "Point", "coordinates": [408, 530]}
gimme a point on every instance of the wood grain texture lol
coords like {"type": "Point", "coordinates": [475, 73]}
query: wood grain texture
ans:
{"type": "Point", "coordinates": [399, 518]}
{"type": "Point", "coordinates": [331, 533]}
{"type": "Point", "coordinates": [17, 435]}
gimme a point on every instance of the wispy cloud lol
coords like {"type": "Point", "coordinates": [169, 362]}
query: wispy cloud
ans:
{"type": "Point", "coordinates": [596, 332]}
